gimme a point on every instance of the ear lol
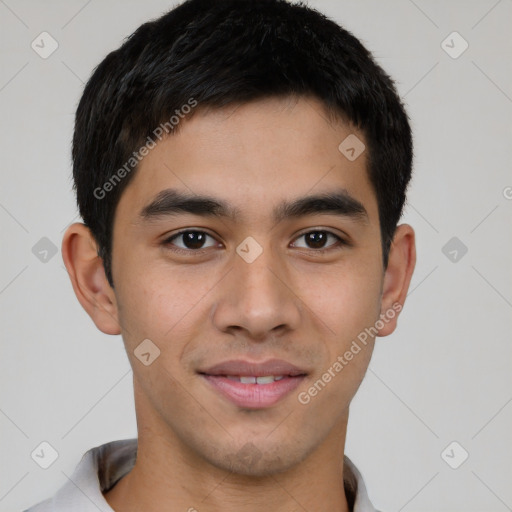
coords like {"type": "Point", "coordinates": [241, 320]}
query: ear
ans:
{"type": "Point", "coordinates": [397, 277]}
{"type": "Point", "coordinates": [85, 269]}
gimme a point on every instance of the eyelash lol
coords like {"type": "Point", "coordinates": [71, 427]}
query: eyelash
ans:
{"type": "Point", "coordinates": [340, 242]}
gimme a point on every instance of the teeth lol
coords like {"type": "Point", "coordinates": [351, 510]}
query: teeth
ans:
{"type": "Point", "coordinates": [267, 379]}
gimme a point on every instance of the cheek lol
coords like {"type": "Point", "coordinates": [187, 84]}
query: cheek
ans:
{"type": "Point", "coordinates": [344, 298]}
{"type": "Point", "coordinates": [159, 302]}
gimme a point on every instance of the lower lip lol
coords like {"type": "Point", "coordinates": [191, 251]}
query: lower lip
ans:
{"type": "Point", "coordinates": [254, 396]}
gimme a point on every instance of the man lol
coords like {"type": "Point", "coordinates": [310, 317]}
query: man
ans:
{"type": "Point", "coordinates": [241, 168]}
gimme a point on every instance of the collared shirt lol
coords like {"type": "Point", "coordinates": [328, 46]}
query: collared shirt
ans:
{"type": "Point", "coordinates": [103, 466]}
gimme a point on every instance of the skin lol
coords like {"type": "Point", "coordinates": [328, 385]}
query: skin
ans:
{"type": "Point", "coordinates": [290, 303]}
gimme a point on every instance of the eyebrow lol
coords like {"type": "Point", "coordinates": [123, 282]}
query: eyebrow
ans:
{"type": "Point", "coordinates": [171, 202]}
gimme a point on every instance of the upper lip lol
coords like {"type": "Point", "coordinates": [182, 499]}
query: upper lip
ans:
{"type": "Point", "coordinates": [240, 367]}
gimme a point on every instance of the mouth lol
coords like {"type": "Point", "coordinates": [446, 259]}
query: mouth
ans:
{"type": "Point", "coordinates": [254, 385]}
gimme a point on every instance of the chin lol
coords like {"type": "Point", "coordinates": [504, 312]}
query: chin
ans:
{"type": "Point", "coordinates": [261, 467]}
{"type": "Point", "coordinates": [256, 459]}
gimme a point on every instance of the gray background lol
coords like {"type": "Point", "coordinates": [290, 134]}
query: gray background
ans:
{"type": "Point", "coordinates": [443, 376]}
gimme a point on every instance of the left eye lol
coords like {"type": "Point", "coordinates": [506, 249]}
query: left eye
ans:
{"type": "Point", "coordinates": [317, 239]}
{"type": "Point", "coordinates": [192, 240]}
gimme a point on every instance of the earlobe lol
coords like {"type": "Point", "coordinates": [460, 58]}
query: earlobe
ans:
{"type": "Point", "coordinates": [85, 269]}
{"type": "Point", "coordinates": [397, 277]}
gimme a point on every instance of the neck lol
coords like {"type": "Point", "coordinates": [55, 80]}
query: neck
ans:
{"type": "Point", "coordinates": [168, 476]}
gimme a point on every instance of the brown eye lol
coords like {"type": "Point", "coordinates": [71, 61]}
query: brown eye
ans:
{"type": "Point", "coordinates": [317, 240]}
{"type": "Point", "coordinates": [190, 240]}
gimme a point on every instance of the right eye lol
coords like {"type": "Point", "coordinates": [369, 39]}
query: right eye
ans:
{"type": "Point", "coordinates": [191, 241]}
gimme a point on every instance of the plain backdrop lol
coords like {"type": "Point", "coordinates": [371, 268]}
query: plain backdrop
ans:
{"type": "Point", "coordinates": [442, 377]}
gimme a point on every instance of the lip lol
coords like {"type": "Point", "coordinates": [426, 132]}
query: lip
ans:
{"type": "Point", "coordinates": [246, 368]}
{"type": "Point", "coordinates": [253, 396]}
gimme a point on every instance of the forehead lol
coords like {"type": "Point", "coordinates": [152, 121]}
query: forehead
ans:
{"type": "Point", "coordinates": [253, 156]}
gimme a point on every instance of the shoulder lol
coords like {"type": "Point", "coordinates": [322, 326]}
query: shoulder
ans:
{"type": "Point", "coordinates": [43, 506]}
{"type": "Point", "coordinates": [98, 470]}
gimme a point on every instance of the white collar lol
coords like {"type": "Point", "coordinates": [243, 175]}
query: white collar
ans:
{"type": "Point", "coordinates": [103, 466]}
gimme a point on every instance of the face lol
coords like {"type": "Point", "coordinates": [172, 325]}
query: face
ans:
{"type": "Point", "coordinates": [265, 283]}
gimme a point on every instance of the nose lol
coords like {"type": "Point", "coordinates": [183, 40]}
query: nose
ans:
{"type": "Point", "coordinates": [257, 299]}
